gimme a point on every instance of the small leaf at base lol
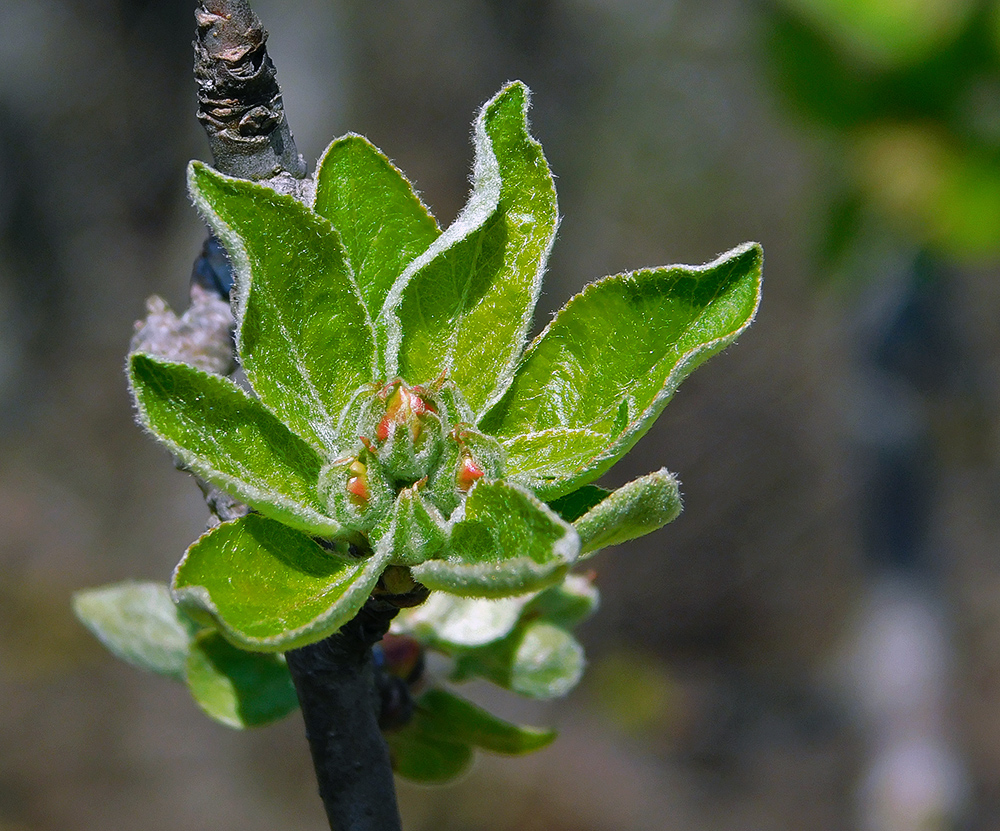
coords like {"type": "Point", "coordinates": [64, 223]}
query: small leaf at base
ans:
{"type": "Point", "coordinates": [238, 688]}
{"type": "Point", "coordinates": [442, 715]}
{"type": "Point", "coordinates": [139, 623]}
{"type": "Point", "coordinates": [425, 759]}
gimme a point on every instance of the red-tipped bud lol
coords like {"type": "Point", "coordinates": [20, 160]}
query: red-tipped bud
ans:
{"type": "Point", "coordinates": [469, 472]}
{"type": "Point", "coordinates": [403, 406]}
{"type": "Point", "coordinates": [357, 482]}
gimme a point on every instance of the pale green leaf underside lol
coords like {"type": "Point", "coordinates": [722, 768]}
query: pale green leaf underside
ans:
{"type": "Point", "coordinates": [381, 222]}
{"type": "Point", "coordinates": [502, 541]}
{"type": "Point", "coordinates": [611, 360]}
{"type": "Point", "coordinates": [270, 588]}
{"type": "Point", "coordinates": [467, 306]}
{"type": "Point", "coordinates": [304, 336]}
{"type": "Point", "coordinates": [238, 688]}
{"type": "Point", "coordinates": [454, 624]}
{"type": "Point", "coordinates": [638, 508]}
{"type": "Point", "coordinates": [229, 439]}
{"type": "Point", "coordinates": [445, 621]}
{"type": "Point", "coordinates": [539, 659]}
{"type": "Point", "coordinates": [139, 623]}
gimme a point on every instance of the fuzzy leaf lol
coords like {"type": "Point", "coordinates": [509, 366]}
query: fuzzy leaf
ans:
{"type": "Point", "coordinates": [229, 439]}
{"type": "Point", "coordinates": [238, 688]}
{"type": "Point", "coordinates": [304, 336]}
{"type": "Point", "coordinates": [425, 759]}
{"type": "Point", "coordinates": [574, 505]}
{"type": "Point", "coordinates": [503, 541]}
{"type": "Point", "coordinates": [139, 623]}
{"type": "Point", "coordinates": [447, 622]}
{"type": "Point", "coordinates": [270, 588]}
{"type": "Point", "coordinates": [381, 222]}
{"type": "Point", "coordinates": [441, 715]}
{"type": "Point", "coordinates": [465, 305]}
{"type": "Point", "coordinates": [601, 372]}
{"type": "Point", "coordinates": [638, 508]}
{"type": "Point", "coordinates": [539, 660]}
{"type": "Point", "coordinates": [416, 531]}
{"type": "Point", "coordinates": [566, 604]}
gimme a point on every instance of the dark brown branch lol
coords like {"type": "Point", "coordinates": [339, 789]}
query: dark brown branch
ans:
{"type": "Point", "coordinates": [239, 102]}
{"type": "Point", "coordinates": [341, 705]}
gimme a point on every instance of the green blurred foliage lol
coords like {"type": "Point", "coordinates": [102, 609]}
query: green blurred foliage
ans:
{"type": "Point", "coordinates": [911, 89]}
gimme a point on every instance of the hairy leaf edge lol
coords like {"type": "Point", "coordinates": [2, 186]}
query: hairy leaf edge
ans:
{"type": "Point", "coordinates": [602, 461]}
{"type": "Point", "coordinates": [320, 627]}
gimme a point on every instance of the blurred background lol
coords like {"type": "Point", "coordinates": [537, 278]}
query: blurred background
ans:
{"type": "Point", "coordinates": [814, 644]}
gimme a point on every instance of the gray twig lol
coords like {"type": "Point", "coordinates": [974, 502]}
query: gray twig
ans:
{"type": "Point", "coordinates": [239, 101]}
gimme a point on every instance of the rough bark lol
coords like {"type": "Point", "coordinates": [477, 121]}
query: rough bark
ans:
{"type": "Point", "coordinates": [239, 101]}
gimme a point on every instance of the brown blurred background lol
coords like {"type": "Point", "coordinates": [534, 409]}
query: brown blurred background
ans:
{"type": "Point", "coordinates": [812, 645]}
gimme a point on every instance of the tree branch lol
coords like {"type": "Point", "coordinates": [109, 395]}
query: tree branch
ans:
{"type": "Point", "coordinates": [342, 697]}
{"type": "Point", "coordinates": [239, 101]}
{"type": "Point", "coordinates": [341, 705]}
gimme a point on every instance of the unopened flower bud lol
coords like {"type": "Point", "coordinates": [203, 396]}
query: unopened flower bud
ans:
{"type": "Point", "coordinates": [409, 435]}
{"type": "Point", "coordinates": [356, 490]}
{"type": "Point", "coordinates": [468, 456]}
{"type": "Point", "coordinates": [357, 483]}
{"type": "Point", "coordinates": [404, 407]}
{"type": "Point", "coordinates": [469, 472]}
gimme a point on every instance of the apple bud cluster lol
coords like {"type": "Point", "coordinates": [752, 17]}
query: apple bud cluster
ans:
{"type": "Point", "coordinates": [414, 438]}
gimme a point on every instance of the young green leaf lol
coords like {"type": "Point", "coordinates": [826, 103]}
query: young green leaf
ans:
{"type": "Point", "coordinates": [139, 623]}
{"type": "Point", "coordinates": [304, 336]}
{"type": "Point", "coordinates": [640, 507]}
{"type": "Point", "coordinates": [503, 541]}
{"type": "Point", "coordinates": [270, 588]}
{"type": "Point", "coordinates": [441, 715]}
{"type": "Point", "coordinates": [416, 531]}
{"type": "Point", "coordinates": [230, 440]}
{"type": "Point", "coordinates": [381, 222]}
{"type": "Point", "coordinates": [601, 372]}
{"type": "Point", "coordinates": [539, 660]}
{"type": "Point", "coordinates": [465, 305]}
{"type": "Point", "coordinates": [238, 688]}
{"type": "Point", "coordinates": [425, 759]}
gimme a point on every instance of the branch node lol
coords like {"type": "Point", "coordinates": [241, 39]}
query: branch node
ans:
{"type": "Point", "coordinates": [239, 101]}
